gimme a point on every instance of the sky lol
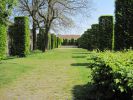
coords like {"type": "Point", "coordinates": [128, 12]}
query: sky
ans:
{"type": "Point", "coordinates": [99, 7]}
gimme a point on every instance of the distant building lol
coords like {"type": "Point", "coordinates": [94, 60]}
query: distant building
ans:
{"type": "Point", "coordinates": [69, 37]}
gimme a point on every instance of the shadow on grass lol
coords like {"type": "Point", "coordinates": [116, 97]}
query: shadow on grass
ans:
{"type": "Point", "coordinates": [80, 64]}
{"type": "Point", "coordinates": [84, 92]}
{"type": "Point", "coordinates": [92, 92]}
{"type": "Point", "coordinates": [9, 58]}
{"type": "Point", "coordinates": [81, 53]}
{"type": "Point", "coordinates": [88, 65]}
{"type": "Point", "coordinates": [78, 56]}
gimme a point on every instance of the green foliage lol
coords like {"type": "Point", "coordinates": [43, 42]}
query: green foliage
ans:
{"type": "Point", "coordinates": [53, 41]}
{"type": "Point", "coordinates": [11, 48]}
{"type": "Point", "coordinates": [95, 36]}
{"type": "Point", "coordinates": [59, 41]}
{"type": "Point", "coordinates": [3, 42]}
{"type": "Point", "coordinates": [49, 41]}
{"type": "Point", "coordinates": [6, 7]}
{"type": "Point", "coordinates": [71, 41]}
{"type": "Point", "coordinates": [106, 32]}
{"type": "Point", "coordinates": [112, 75]}
{"type": "Point", "coordinates": [123, 25]}
{"type": "Point", "coordinates": [22, 36]}
{"type": "Point", "coordinates": [85, 40]}
{"type": "Point", "coordinates": [39, 41]}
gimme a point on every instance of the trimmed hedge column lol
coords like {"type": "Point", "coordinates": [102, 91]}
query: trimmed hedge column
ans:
{"type": "Point", "coordinates": [95, 36]}
{"type": "Point", "coordinates": [3, 42]}
{"type": "Point", "coordinates": [22, 36]}
{"type": "Point", "coordinates": [124, 24]}
{"type": "Point", "coordinates": [53, 41]}
{"type": "Point", "coordinates": [106, 32]}
{"type": "Point", "coordinates": [49, 41]}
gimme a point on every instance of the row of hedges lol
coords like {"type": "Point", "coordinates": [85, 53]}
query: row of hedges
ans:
{"type": "Point", "coordinates": [69, 42]}
{"type": "Point", "coordinates": [112, 75]}
{"type": "Point", "coordinates": [100, 36]}
{"type": "Point", "coordinates": [118, 36]}
{"type": "Point", "coordinates": [123, 24]}
{"type": "Point", "coordinates": [53, 40]}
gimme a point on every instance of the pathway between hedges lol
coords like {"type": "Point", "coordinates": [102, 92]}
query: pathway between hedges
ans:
{"type": "Point", "coordinates": [53, 76]}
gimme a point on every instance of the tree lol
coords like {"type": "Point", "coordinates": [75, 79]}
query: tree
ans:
{"type": "Point", "coordinates": [6, 7]}
{"type": "Point", "coordinates": [59, 12]}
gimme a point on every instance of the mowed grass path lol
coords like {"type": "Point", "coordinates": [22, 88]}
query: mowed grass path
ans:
{"type": "Point", "coordinates": [44, 76]}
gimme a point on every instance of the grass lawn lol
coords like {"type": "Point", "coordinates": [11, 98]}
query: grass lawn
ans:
{"type": "Point", "coordinates": [44, 76]}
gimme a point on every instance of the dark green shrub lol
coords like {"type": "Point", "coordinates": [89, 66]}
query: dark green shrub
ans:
{"type": "Point", "coordinates": [58, 42]}
{"type": "Point", "coordinates": [3, 42]}
{"type": "Point", "coordinates": [65, 42]}
{"type": "Point", "coordinates": [53, 41]}
{"type": "Point", "coordinates": [49, 41]}
{"type": "Point", "coordinates": [21, 36]}
{"type": "Point", "coordinates": [123, 24]}
{"type": "Point", "coordinates": [11, 47]}
{"type": "Point", "coordinates": [106, 32]}
{"type": "Point", "coordinates": [85, 40]}
{"type": "Point", "coordinates": [95, 36]}
{"type": "Point", "coordinates": [40, 40]}
{"type": "Point", "coordinates": [112, 75]}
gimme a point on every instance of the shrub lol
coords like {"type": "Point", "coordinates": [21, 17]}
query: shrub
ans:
{"type": "Point", "coordinates": [49, 41]}
{"type": "Point", "coordinates": [22, 36]}
{"type": "Point", "coordinates": [58, 42]}
{"type": "Point", "coordinates": [112, 75]}
{"type": "Point", "coordinates": [106, 32]}
{"type": "Point", "coordinates": [53, 41]}
{"type": "Point", "coordinates": [39, 40]}
{"type": "Point", "coordinates": [95, 36]}
{"type": "Point", "coordinates": [123, 24]}
{"type": "Point", "coordinates": [11, 47]}
{"type": "Point", "coordinates": [3, 42]}
{"type": "Point", "coordinates": [85, 40]}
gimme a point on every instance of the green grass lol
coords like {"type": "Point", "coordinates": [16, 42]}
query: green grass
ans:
{"type": "Point", "coordinates": [60, 69]}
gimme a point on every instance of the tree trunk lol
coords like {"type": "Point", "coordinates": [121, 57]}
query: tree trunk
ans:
{"type": "Point", "coordinates": [34, 35]}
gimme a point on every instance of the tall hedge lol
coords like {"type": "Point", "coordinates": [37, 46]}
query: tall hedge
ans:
{"type": "Point", "coordinates": [11, 40]}
{"type": "Point", "coordinates": [21, 36]}
{"type": "Point", "coordinates": [53, 41]}
{"type": "Point", "coordinates": [95, 35]}
{"type": "Point", "coordinates": [49, 41]}
{"type": "Point", "coordinates": [59, 42]}
{"type": "Point", "coordinates": [3, 42]}
{"type": "Point", "coordinates": [106, 32]}
{"type": "Point", "coordinates": [123, 25]}
{"type": "Point", "coordinates": [39, 40]}
{"type": "Point", "coordinates": [85, 40]}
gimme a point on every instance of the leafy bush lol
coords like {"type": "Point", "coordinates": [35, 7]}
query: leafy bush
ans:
{"type": "Point", "coordinates": [3, 38]}
{"type": "Point", "coordinates": [113, 75]}
{"type": "Point", "coordinates": [22, 36]}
